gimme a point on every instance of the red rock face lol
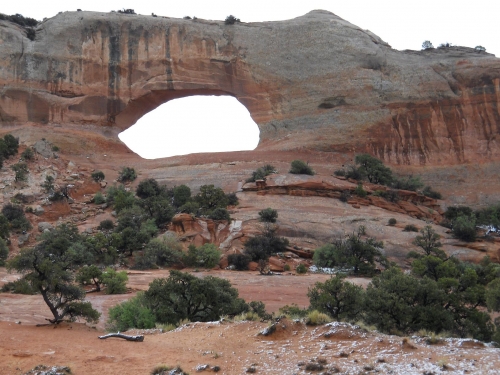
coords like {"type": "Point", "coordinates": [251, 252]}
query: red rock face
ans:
{"type": "Point", "coordinates": [313, 83]}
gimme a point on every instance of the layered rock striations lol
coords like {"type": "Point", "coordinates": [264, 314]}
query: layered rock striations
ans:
{"type": "Point", "coordinates": [316, 82]}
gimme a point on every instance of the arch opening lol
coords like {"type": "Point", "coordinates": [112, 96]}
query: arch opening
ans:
{"type": "Point", "coordinates": [194, 124]}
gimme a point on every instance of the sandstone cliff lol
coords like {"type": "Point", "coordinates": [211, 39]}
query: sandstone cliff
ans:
{"type": "Point", "coordinates": [316, 82]}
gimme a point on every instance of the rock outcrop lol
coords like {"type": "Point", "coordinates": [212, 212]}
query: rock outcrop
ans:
{"type": "Point", "coordinates": [316, 82]}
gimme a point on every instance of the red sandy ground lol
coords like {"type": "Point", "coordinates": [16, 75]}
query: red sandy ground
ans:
{"type": "Point", "coordinates": [234, 347]}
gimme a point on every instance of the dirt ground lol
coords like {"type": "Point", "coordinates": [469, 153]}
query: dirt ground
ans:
{"type": "Point", "coordinates": [233, 346]}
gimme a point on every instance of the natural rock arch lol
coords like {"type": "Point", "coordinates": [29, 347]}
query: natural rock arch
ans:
{"type": "Point", "coordinates": [315, 82]}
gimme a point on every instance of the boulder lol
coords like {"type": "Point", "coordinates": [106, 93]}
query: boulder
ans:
{"type": "Point", "coordinates": [42, 226]}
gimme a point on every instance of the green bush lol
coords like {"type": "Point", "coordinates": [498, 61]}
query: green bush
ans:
{"type": "Point", "coordinates": [360, 192]}
{"type": "Point", "coordinates": [220, 214]}
{"type": "Point", "coordinates": [21, 171]}
{"type": "Point", "coordinates": [48, 184]}
{"type": "Point", "coordinates": [316, 318]}
{"type": "Point", "coordinates": [261, 173]}
{"type": "Point", "coordinates": [299, 167]}
{"type": "Point", "coordinates": [373, 169]}
{"type": "Point", "coordinates": [148, 188]}
{"type": "Point", "coordinates": [232, 199]}
{"type": "Point", "coordinates": [133, 313]}
{"type": "Point", "coordinates": [106, 225]}
{"type": "Point", "coordinates": [338, 298]}
{"type": "Point", "coordinates": [261, 247]}
{"type": "Point", "coordinates": [115, 282]}
{"type": "Point", "coordinates": [119, 197]}
{"type": "Point", "coordinates": [209, 198]}
{"type": "Point", "coordinates": [4, 252]}
{"type": "Point", "coordinates": [392, 221]}
{"type": "Point", "coordinates": [11, 145]}
{"type": "Point", "coordinates": [409, 183]}
{"type": "Point", "coordinates": [428, 192]}
{"type": "Point", "coordinates": [28, 154]}
{"type": "Point", "coordinates": [182, 195]}
{"type": "Point", "coordinates": [16, 217]}
{"type": "Point", "coordinates": [410, 228]}
{"type": "Point", "coordinates": [99, 198]}
{"type": "Point", "coordinates": [184, 296]}
{"type": "Point", "coordinates": [464, 228]}
{"type": "Point", "coordinates": [239, 261]}
{"type": "Point", "coordinates": [97, 176]}
{"type": "Point", "coordinates": [206, 256]}
{"type": "Point", "coordinates": [268, 215]}
{"type": "Point", "coordinates": [453, 212]}
{"type": "Point", "coordinates": [127, 174]}
{"type": "Point", "coordinates": [340, 172]}
{"type": "Point", "coordinates": [301, 269]}
{"type": "Point", "coordinates": [90, 275]}
{"type": "Point", "coordinates": [164, 252]}
{"type": "Point", "coordinates": [231, 20]}
{"type": "Point", "coordinates": [21, 286]}
{"type": "Point", "coordinates": [4, 227]}
{"type": "Point", "coordinates": [293, 311]}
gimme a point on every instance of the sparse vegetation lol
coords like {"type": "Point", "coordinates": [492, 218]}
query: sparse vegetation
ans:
{"type": "Point", "coordinates": [48, 184]}
{"type": "Point", "coordinates": [127, 174]}
{"type": "Point", "coordinates": [268, 215]}
{"type": "Point", "coordinates": [392, 221]}
{"type": "Point", "coordinates": [231, 20]}
{"type": "Point", "coordinates": [300, 167]}
{"type": "Point", "coordinates": [28, 154]}
{"type": "Point", "coordinates": [97, 176]}
{"type": "Point", "coordinates": [21, 171]}
{"type": "Point", "coordinates": [410, 228]}
{"type": "Point", "coordinates": [427, 45]}
{"type": "Point", "coordinates": [261, 173]}
{"type": "Point", "coordinates": [301, 269]}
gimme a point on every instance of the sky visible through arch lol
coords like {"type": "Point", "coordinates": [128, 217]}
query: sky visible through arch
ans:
{"type": "Point", "coordinates": [402, 24]}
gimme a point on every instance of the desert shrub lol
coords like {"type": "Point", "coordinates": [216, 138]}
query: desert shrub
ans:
{"type": "Point", "coordinates": [115, 282]}
{"type": "Point", "coordinates": [464, 228]}
{"type": "Point", "coordinates": [354, 173]}
{"type": "Point", "coordinates": [4, 252]}
{"type": "Point", "coordinates": [429, 192]}
{"type": "Point", "coordinates": [55, 148]}
{"type": "Point", "coordinates": [392, 221]}
{"type": "Point", "coordinates": [99, 198]}
{"type": "Point", "coordinates": [220, 214]}
{"type": "Point", "coordinates": [293, 311]}
{"type": "Point", "coordinates": [261, 173]}
{"type": "Point", "coordinates": [301, 269]}
{"type": "Point", "coordinates": [21, 286]}
{"type": "Point", "coordinates": [11, 145]}
{"type": "Point", "coordinates": [259, 308]}
{"type": "Point", "coordinates": [127, 174]}
{"type": "Point", "coordinates": [479, 49]}
{"type": "Point", "coordinates": [28, 154]}
{"type": "Point", "coordinates": [373, 169]}
{"type": "Point", "coordinates": [127, 11]}
{"type": "Point", "coordinates": [16, 217]}
{"type": "Point", "coordinates": [232, 199]}
{"type": "Point", "coordinates": [286, 267]}
{"type": "Point", "coordinates": [119, 197]}
{"type": "Point", "coordinates": [163, 252]}
{"type": "Point", "coordinates": [428, 241]}
{"type": "Point", "coordinates": [338, 298]}
{"type": "Point", "coordinates": [206, 256]}
{"type": "Point", "coordinates": [410, 228]}
{"type": "Point", "coordinates": [340, 172]}
{"type": "Point", "coordinates": [148, 188]}
{"type": "Point", "coordinates": [97, 176]}
{"type": "Point", "coordinates": [261, 247]}
{"type": "Point", "coordinates": [167, 370]}
{"type": "Point", "coordinates": [181, 195]}
{"type": "Point", "coordinates": [239, 261]}
{"type": "Point", "coordinates": [316, 318]}
{"type": "Point", "coordinates": [19, 19]}
{"type": "Point", "coordinates": [409, 183]}
{"type": "Point", "coordinates": [106, 225]}
{"type": "Point", "coordinates": [351, 252]}
{"type": "Point", "coordinates": [21, 171]}
{"type": "Point", "coordinates": [453, 212]}
{"type": "Point", "coordinates": [268, 215]}
{"type": "Point", "coordinates": [360, 192]}
{"type": "Point", "coordinates": [427, 45]}
{"type": "Point", "coordinates": [48, 184]}
{"type": "Point", "coordinates": [209, 198]}
{"type": "Point", "coordinates": [299, 167]}
{"type": "Point", "coordinates": [184, 296]}
{"type": "Point", "coordinates": [4, 227]}
{"type": "Point", "coordinates": [90, 275]}
{"type": "Point", "coordinates": [231, 20]}
{"type": "Point", "coordinates": [190, 208]}
{"type": "Point", "coordinates": [345, 196]}
{"type": "Point", "coordinates": [133, 313]}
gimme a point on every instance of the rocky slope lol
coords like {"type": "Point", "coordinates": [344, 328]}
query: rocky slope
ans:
{"type": "Point", "coordinates": [316, 82]}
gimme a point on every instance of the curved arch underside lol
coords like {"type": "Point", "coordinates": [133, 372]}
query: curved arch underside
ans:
{"type": "Point", "coordinates": [316, 82]}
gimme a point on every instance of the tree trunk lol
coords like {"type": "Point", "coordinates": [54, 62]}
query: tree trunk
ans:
{"type": "Point", "coordinates": [139, 338]}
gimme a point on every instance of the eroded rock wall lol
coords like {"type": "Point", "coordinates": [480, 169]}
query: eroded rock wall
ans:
{"type": "Point", "coordinates": [315, 82]}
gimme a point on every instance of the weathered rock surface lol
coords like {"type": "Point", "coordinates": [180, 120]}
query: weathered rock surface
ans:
{"type": "Point", "coordinates": [316, 82]}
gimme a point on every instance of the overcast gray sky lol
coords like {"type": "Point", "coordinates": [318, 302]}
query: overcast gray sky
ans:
{"type": "Point", "coordinates": [402, 24]}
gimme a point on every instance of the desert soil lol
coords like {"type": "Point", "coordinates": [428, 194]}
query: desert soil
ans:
{"type": "Point", "coordinates": [233, 346]}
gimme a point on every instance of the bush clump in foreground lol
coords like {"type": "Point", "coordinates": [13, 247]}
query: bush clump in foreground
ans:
{"type": "Point", "coordinates": [179, 297]}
